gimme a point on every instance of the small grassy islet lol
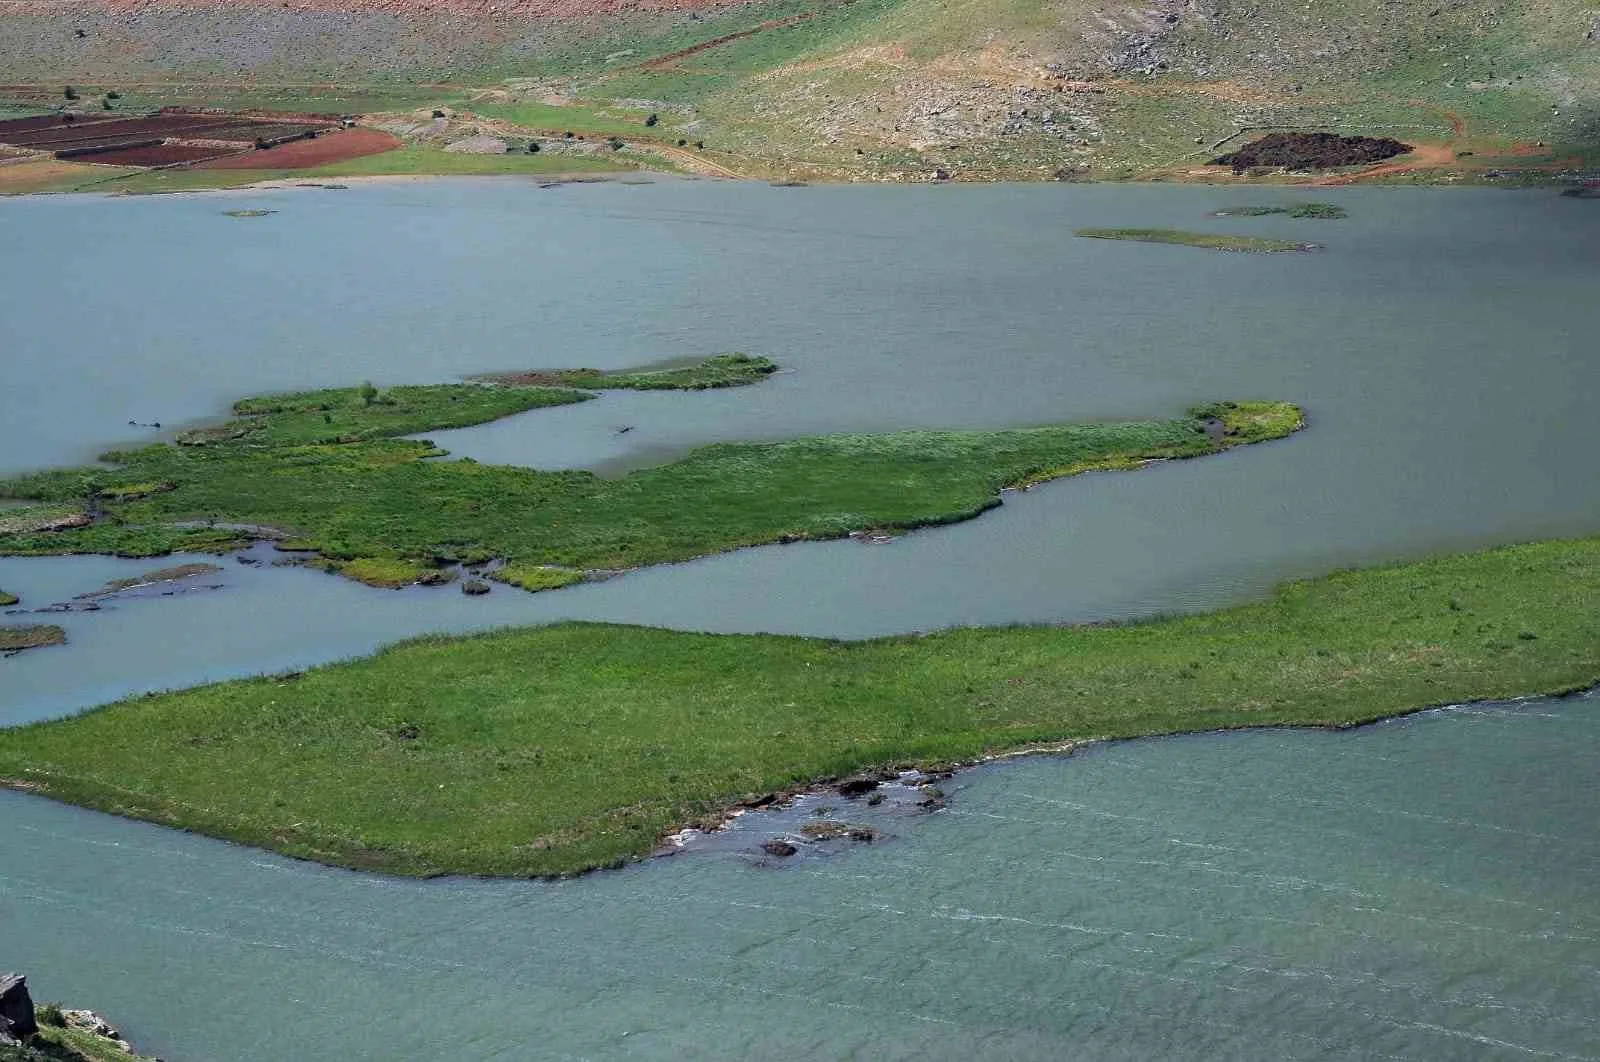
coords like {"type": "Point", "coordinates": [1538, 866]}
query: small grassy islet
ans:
{"type": "Point", "coordinates": [1208, 240]}
{"type": "Point", "coordinates": [535, 577]}
{"type": "Point", "coordinates": [1322, 211]}
{"type": "Point", "coordinates": [558, 749]}
{"type": "Point", "coordinates": [15, 638]}
{"type": "Point", "coordinates": [325, 468]}
{"type": "Point", "coordinates": [174, 574]}
{"type": "Point", "coordinates": [722, 370]}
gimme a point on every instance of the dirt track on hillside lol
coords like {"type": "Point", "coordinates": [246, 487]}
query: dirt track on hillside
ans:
{"type": "Point", "coordinates": [1421, 157]}
{"type": "Point", "coordinates": [661, 62]}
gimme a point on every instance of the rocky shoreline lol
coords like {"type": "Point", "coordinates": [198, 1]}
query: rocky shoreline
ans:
{"type": "Point", "coordinates": [823, 818]}
{"type": "Point", "coordinates": [30, 1033]}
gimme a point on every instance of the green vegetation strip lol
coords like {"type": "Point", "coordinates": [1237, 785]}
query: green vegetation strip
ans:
{"type": "Point", "coordinates": [1325, 211]}
{"type": "Point", "coordinates": [557, 749]}
{"type": "Point", "coordinates": [325, 467]}
{"type": "Point", "coordinates": [1208, 240]}
{"type": "Point", "coordinates": [7, 599]}
{"type": "Point", "coordinates": [723, 370]}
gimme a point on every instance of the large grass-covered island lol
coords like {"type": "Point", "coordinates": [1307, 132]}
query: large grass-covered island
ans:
{"type": "Point", "coordinates": [326, 474]}
{"type": "Point", "coordinates": [559, 749]}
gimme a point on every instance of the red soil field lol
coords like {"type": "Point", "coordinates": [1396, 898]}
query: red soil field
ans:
{"type": "Point", "coordinates": [159, 155]}
{"type": "Point", "coordinates": [249, 132]}
{"type": "Point", "coordinates": [133, 128]}
{"type": "Point", "coordinates": [28, 125]}
{"type": "Point", "coordinates": [68, 150]}
{"type": "Point", "coordinates": [304, 154]}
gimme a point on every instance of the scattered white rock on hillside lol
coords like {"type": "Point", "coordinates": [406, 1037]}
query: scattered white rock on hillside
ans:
{"type": "Point", "coordinates": [478, 145]}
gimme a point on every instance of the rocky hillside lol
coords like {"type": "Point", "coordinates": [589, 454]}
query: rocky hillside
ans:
{"type": "Point", "coordinates": [880, 88]}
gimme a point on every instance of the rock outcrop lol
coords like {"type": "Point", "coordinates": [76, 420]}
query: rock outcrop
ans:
{"type": "Point", "coordinates": [16, 1008]}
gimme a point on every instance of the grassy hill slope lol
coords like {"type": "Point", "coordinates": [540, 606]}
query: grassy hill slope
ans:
{"type": "Point", "coordinates": [893, 89]}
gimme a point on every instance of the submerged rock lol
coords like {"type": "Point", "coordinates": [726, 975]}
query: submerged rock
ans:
{"type": "Point", "coordinates": [825, 830]}
{"type": "Point", "coordinates": [778, 847]}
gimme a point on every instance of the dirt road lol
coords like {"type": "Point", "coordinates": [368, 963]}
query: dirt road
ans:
{"type": "Point", "coordinates": [1422, 157]}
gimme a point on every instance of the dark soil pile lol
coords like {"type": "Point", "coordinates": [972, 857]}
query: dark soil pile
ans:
{"type": "Point", "coordinates": [1311, 151]}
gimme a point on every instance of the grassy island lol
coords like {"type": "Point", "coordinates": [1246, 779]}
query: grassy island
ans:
{"type": "Point", "coordinates": [1323, 211]}
{"type": "Point", "coordinates": [724, 370]}
{"type": "Point", "coordinates": [15, 638]}
{"type": "Point", "coordinates": [557, 749]}
{"type": "Point", "coordinates": [324, 473]}
{"type": "Point", "coordinates": [1209, 240]}
{"type": "Point", "coordinates": [7, 600]}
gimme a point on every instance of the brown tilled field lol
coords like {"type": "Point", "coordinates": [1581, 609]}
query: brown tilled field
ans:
{"type": "Point", "coordinates": [304, 154]}
{"type": "Point", "coordinates": [64, 134]}
{"type": "Point", "coordinates": [156, 155]}
{"type": "Point", "coordinates": [168, 138]}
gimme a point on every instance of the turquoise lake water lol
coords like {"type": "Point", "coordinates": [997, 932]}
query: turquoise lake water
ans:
{"type": "Point", "coordinates": [1420, 890]}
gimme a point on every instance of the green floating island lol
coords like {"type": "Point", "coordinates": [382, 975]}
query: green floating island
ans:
{"type": "Point", "coordinates": [30, 636]}
{"type": "Point", "coordinates": [7, 599]}
{"type": "Point", "coordinates": [248, 213]}
{"type": "Point", "coordinates": [1209, 240]}
{"type": "Point", "coordinates": [1326, 211]}
{"type": "Point", "coordinates": [723, 370]}
{"type": "Point", "coordinates": [324, 474]}
{"type": "Point", "coordinates": [557, 749]}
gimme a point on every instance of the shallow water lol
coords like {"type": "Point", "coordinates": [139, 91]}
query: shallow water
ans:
{"type": "Point", "coordinates": [1418, 890]}
{"type": "Point", "coordinates": [1441, 344]}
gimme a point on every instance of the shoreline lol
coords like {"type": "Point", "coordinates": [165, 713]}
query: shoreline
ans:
{"type": "Point", "coordinates": [1524, 181]}
{"type": "Point", "coordinates": [684, 840]}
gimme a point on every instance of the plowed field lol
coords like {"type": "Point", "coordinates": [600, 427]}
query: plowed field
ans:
{"type": "Point", "coordinates": [158, 155]}
{"type": "Point", "coordinates": [66, 135]}
{"type": "Point", "coordinates": [304, 154]}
